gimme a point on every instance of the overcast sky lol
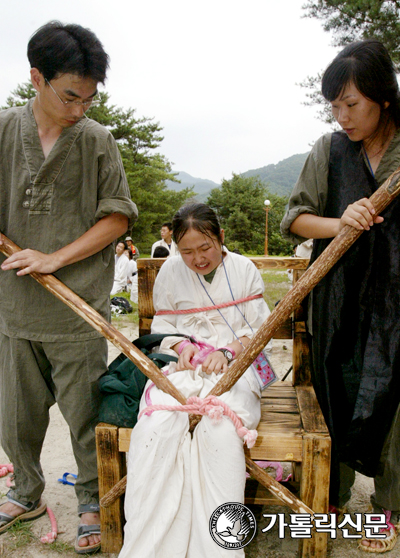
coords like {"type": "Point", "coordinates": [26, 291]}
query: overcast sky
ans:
{"type": "Point", "coordinates": [219, 75]}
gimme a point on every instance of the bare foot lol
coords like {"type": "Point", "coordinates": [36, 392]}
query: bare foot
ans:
{"type": "Point", "coordinates": [90, 519]}
{"type": "Point", "coordinates": [11, 509]}
{"type": "Point", "coordinates": [375, 543]}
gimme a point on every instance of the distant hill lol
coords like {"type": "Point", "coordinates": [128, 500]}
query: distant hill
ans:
{"type": "Point", "coordinates": [280, 178]}
{"type": "Point", "coordinates": [202, 186]}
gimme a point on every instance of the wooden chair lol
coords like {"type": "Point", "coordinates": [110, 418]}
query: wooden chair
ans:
{"type": "Point", "coordinates": [292, 428]}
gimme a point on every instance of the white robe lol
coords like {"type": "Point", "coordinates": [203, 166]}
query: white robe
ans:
{"type": "Point", "coordinates": [175, 481]}
{"type": "Point", "coordinates": [132, 270]}
{"type": "Point", "coordinates": [173, 250]}
{"type": "Point", "coordinates": [133, 281]}
{"type": "Point", "coordinates": [120, 274]}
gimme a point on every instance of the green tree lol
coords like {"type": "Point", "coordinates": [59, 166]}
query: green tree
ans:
{"type": "Point", "coordinates": [239, 203]}
{"type": "Point", "coordinates": [146, 169]}
{"type": "Point", "coordinates": [20, 95]}
{"type": "Point", "coordinates": [348, 21]}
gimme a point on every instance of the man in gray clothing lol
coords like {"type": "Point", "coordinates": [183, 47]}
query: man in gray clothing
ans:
{"type": "Point", "coordinates": [64, 199]}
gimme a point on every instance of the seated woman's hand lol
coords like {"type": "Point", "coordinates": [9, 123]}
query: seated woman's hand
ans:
{"type": "Point", "coordinates": [360, 215]}
{"type": "Point", "coordinates": [185, 357]}
{"type": "Point", "coordinates": [215, 362]}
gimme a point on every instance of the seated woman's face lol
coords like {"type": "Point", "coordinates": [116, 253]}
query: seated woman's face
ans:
{"type": "Point", "coordinates": [200, 253]}
{"type": "Point", "coordinates": [357, 115]}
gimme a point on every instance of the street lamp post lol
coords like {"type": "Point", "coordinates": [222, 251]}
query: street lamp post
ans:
{"type": "Point", "coordinates": [267, 203]}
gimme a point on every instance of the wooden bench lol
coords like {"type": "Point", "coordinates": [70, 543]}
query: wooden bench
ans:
{"type": "Point", "coordinates": [292, 428]}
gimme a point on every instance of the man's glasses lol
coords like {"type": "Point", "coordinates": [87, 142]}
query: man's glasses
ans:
{"type": "Point", "coordinates": [84, 104]}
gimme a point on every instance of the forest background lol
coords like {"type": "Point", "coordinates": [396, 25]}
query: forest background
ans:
{"type": "Point", "coordinates": [239, 201]}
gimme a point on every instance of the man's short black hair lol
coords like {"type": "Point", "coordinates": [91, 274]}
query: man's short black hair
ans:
{"type": "Point", "coordinates": [161, 252]}
{"type": "Point", "coordinates": [57, 49]}
{"type": "Point", "coordinates": [169, 225]}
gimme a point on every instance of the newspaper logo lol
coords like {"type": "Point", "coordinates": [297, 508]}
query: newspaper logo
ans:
{"type": "Point", "coordinates": [232, 526]}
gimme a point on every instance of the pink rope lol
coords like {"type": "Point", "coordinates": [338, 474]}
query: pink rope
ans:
{"type": "Point", "coordinates": [5, 469]}
{"type": "Point", "coordinates": [148, 390]}
{"type": "Point", "coordinates": [204, 350]}
{"type": "Point", "coordinates": [207, 308]}
{"type": "Point", "coordinates": [212, 407]}
{"type": "Point", "coordinates": [50, 537]}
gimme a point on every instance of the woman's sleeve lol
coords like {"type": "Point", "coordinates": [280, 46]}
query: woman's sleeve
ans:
{"type": "Point", "coordinates": [163, 299]}
{"type": "Point", "coordinates": [311, 190]}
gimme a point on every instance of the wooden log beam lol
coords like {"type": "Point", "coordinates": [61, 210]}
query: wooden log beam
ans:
{"type": "Point", "coordinates": [284, 495]}
{"type": "Point", "coordinates": [64, 293]}
{"type": "Point", "coordinates": [339, 245]}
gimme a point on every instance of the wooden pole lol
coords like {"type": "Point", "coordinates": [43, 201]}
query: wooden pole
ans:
{"type": "Point", "coordinates": [339, 245]}
{"type": "Point", "coordinates": [280, 491]}
{"type": "Point", "coordinates": [97, 321]}
{"type": "Point", "coordinates": [64, 293]}
{"type": "Point", "coordinates": [286, 497]}
{"type": "Point", "coordinates": [380, 199]}
{"type": "Point", "coordinates": [266, 203]}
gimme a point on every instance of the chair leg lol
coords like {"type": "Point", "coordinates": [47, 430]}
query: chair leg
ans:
{"type": "Point", "coordinates": [111, 468]}
{"type": "Point", "coordinates": [314, 489]}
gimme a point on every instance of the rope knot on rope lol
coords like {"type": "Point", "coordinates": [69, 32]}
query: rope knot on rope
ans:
{"type": "Point", "coordinates": [212, 407]}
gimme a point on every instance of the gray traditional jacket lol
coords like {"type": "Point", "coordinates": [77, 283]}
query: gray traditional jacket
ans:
{"type": "Point", "coordinates": [46, 204]}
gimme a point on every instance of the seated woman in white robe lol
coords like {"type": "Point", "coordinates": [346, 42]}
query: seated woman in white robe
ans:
{"type": "Point", "coordinates": [176, 481]}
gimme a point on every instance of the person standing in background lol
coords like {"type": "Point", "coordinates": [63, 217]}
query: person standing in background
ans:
{"type": "Point", "coordinates": [121, 269]}
{"type": "Point", "coordinates": [166, 241]}
{"type": "Point", "coordinates": [132, 248]}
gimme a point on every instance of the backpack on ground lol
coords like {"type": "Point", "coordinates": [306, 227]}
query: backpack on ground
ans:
{"type": "Point", "coordinates": [120, 305]}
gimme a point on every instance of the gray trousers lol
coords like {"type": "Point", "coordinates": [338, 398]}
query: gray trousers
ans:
{"type": "Point", "coordinates": [387, 481]}
{"type": "Point", "coordinates": [33, 376]}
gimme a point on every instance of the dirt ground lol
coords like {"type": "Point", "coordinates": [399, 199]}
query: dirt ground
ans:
{"type": "Point", "coordinates": [57, 459]}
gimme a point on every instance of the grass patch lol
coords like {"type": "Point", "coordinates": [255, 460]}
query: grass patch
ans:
{"type": "Point", "coordinates": [19, 535]}
{"type": "Point", "coordinates": [60, 546]}
{"type": "Point", "coordinates": [277, 284]}
{"type": "Point", "coordinates": [132, 318]}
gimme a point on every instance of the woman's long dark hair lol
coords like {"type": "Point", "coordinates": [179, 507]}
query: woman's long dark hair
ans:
{"type": "Point", "coordinates": [368, 65]}
{"type": "Point", "coordinates": [197, 216]}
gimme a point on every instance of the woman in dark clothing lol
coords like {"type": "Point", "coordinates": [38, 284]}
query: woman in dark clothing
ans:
{"type": "Point", "coordinates": [354, 311]}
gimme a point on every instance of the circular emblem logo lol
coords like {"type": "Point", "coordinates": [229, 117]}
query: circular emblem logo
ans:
{"type": "Point", "coordinates": [232, 525]}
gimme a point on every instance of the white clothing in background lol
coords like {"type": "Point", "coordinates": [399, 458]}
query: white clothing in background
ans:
{"type": "Point", "coordinates": [304, 249]}
{"type": "Point", "coordinates": [173, 249]}
{"type": "Point", "coordinates": [134, 289]}
{"type": "Point", "coordinates": [175, 481]}
{"type": "Point", "coordinates": [120, 274]}
{"type": "Point", "coordinates": [132, 280]}
{"type": "Point", "coordinates": [132, 270]}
